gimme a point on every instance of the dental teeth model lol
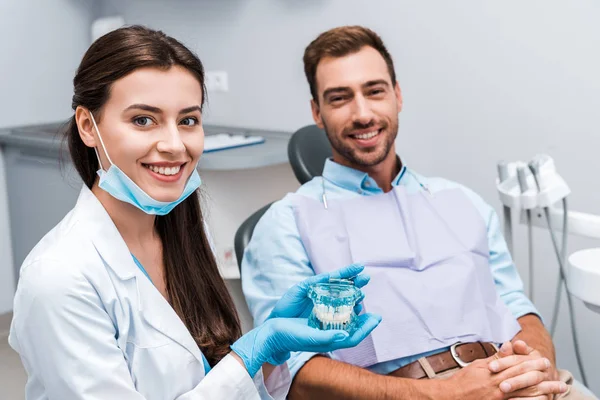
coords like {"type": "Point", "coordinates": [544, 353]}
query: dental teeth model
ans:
{"type": "Point", "coordinates": [334, 305]}
{"type": "Point", "coordinates": [333, 317]}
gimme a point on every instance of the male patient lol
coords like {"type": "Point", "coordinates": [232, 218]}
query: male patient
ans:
{"type": "Point", "coordinates": [440, 270]}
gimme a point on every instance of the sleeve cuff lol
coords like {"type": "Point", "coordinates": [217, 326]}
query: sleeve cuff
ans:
{"type": "Point", "coordinates": [519, 305]}
{"type": "Point", "coordinates": [227, 377]}
{"type": "Point", "coordinates": [276, 386]}
{"type": "Point", "coordinates": [297, 361]}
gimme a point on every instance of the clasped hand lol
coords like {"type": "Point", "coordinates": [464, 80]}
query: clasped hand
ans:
{"type": "Point", "coordinates": [516, 372]}
{"type": "Point", "coordinates": [529, 374]}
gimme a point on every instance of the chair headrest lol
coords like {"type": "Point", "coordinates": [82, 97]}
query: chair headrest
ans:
{"type": "Point", "coordinates": [307, 151]}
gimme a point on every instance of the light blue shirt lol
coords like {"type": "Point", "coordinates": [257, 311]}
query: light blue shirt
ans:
{"type": "Point", "coordinates": [275, 258]}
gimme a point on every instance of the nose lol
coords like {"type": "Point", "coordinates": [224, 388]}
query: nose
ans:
{"type": "Point", "coordinates": [170, 141]}
{"type": "Point", "coordinates": [362, 112]}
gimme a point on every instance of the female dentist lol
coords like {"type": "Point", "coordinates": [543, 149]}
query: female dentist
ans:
{"type": "Point", "coordinates": [123, 298]}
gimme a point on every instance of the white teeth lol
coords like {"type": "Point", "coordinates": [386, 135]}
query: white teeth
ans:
{"type": "Point", "coordinates": [164, 170]}
{"type": "Point", "coordinates": [368, 135]}
{"type": "Point", "coordinates": [333, 314]}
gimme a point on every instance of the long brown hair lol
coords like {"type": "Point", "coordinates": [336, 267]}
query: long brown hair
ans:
{"type": "Point", "coordinates": [197, 292]}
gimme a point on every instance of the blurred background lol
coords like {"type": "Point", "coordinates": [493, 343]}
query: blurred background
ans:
{"type": "Point", "coordinates": [482, 81]}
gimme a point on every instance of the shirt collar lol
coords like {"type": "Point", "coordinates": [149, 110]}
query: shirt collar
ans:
{"type": "Point", "coordinates": [352, 179]}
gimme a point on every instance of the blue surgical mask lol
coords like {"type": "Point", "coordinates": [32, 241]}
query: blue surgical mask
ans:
{"type": "Point", "coordinates": [121, 187]}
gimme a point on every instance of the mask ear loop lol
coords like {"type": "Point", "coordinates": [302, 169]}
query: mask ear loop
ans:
{"type": "Point", "coordinates": [101, 142]}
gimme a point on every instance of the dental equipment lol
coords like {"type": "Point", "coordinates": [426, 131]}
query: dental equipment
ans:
{"type": "Point", "coordinates": [535, 187]}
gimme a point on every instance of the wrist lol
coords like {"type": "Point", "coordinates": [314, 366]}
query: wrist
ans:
{"type": "Point", "coordinates": [422, 389]}
{"type": "Point", "coordinates": [237, 358]}
{"type": "Point", "coordinates": [250, 350]}
{"type": "Point", "coordinates": [439, 389]}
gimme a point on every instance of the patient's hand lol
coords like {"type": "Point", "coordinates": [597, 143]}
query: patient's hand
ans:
{"type": "Point", "coordinates": [520, 357]}
{"type": "Point", "coordinates": [476, 381]}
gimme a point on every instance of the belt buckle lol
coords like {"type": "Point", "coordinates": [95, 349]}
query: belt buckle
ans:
{"type": "Point", "coordinates": [456, 357]}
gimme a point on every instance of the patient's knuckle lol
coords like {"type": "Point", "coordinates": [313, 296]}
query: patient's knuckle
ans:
{"type": "Point", "coordinates": [547, 388]}
{"type": "Point", "coordinates": [478, 363]}
{"type": "Point", "coordinates": [540, 364]}
{"type": "Point", "coordinates": [556, 387]}
{"type": "Point", "coordinates": [522, 368]}
{"type": "Point", "coordinates": [540, 376]}
{"type": "Point", "coordinates": [497, 395]}
{"type": "Point", "coordinates": [546, 375]}
{"type": "Point", "coordinates": [532, 390]}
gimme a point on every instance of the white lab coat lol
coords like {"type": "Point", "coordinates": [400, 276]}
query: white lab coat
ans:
{"type": "Point", "coordinates": [89, 325]}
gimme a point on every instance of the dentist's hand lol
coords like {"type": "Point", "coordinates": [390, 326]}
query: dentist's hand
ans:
{"type": "Point", "coordinates": [277, 337]}
{"type": "Point", "coordinates": [295, 302]}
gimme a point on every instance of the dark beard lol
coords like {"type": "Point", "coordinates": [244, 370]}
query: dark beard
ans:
{"type": "Point", "coordinates": [351, 155]}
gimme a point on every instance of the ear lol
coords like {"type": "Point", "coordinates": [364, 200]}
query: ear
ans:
{"type": "Point", "coordinates": [398, 94]}
{"type": "Point", "coordinates": [316, 114]}
{"type": "Point", "coordinates": [85, 127]}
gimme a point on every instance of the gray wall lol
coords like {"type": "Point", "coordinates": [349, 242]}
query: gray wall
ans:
{"type": "Point", "coordinates": [482, 81]}
{"type": "Point", "coordinates": [42, 43]}
{"type": "Point", "coordinates": [6, 260]}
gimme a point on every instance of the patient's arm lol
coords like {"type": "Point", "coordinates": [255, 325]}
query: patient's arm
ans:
{"type": "Point", "coordinates": [324, 378]}
{"type": "Point", "coordinates": [535, 335]}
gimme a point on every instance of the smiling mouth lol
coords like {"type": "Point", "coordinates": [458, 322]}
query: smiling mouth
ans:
{"type": "Point", "coordinates": [366, 135]}
{"type": "Point", "coordinates": [161, 170]}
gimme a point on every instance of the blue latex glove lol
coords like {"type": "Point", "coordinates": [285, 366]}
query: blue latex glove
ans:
{"type": "Point", "coordinates": [277, 337]}
{"type": "Point", "coordinates": [286, 329]}
{"type": "Point", "coordinates": [295, 302]}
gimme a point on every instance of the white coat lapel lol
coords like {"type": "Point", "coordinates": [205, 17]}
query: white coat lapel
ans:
{"type": "Point", "coordinates": [158, 312]}
{"type": "Point", "coordinates": [111, 247]}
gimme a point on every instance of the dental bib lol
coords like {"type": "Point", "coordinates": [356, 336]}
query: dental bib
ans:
{"type": "Point", "coordinates": [427, 256]}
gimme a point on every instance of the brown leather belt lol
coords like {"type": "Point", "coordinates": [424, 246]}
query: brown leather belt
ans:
{"type": "Point", "coordinates": [459, 355]}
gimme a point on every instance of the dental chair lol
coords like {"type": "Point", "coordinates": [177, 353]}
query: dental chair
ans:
{"type": "Point", "coordinates": [244, 234]}
{"type": "Point", "coordinates": [307, 151]}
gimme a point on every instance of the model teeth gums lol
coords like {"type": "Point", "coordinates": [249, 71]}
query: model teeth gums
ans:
{"type": "Point", "coordinates": [333, 317]}
{"type": "Point", "coordinates": [334, 305]}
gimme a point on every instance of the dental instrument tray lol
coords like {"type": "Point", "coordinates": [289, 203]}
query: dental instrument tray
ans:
{"type": "Point", "coordinates": [334, 303]}
{"type": "Point", "coordinates": [224, 141]}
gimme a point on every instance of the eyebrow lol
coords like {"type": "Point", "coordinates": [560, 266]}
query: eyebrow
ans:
{"type": "Point", "coordinates": [376, 82]}
{"type": "Point", "coordinates": [190, 109]}
{"type": "Point", "coordinates": [157, 110]}
{"type": "Point", "coordinates": [346, 88]}
{"type": "Point", "coordinates": [333, 90]}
